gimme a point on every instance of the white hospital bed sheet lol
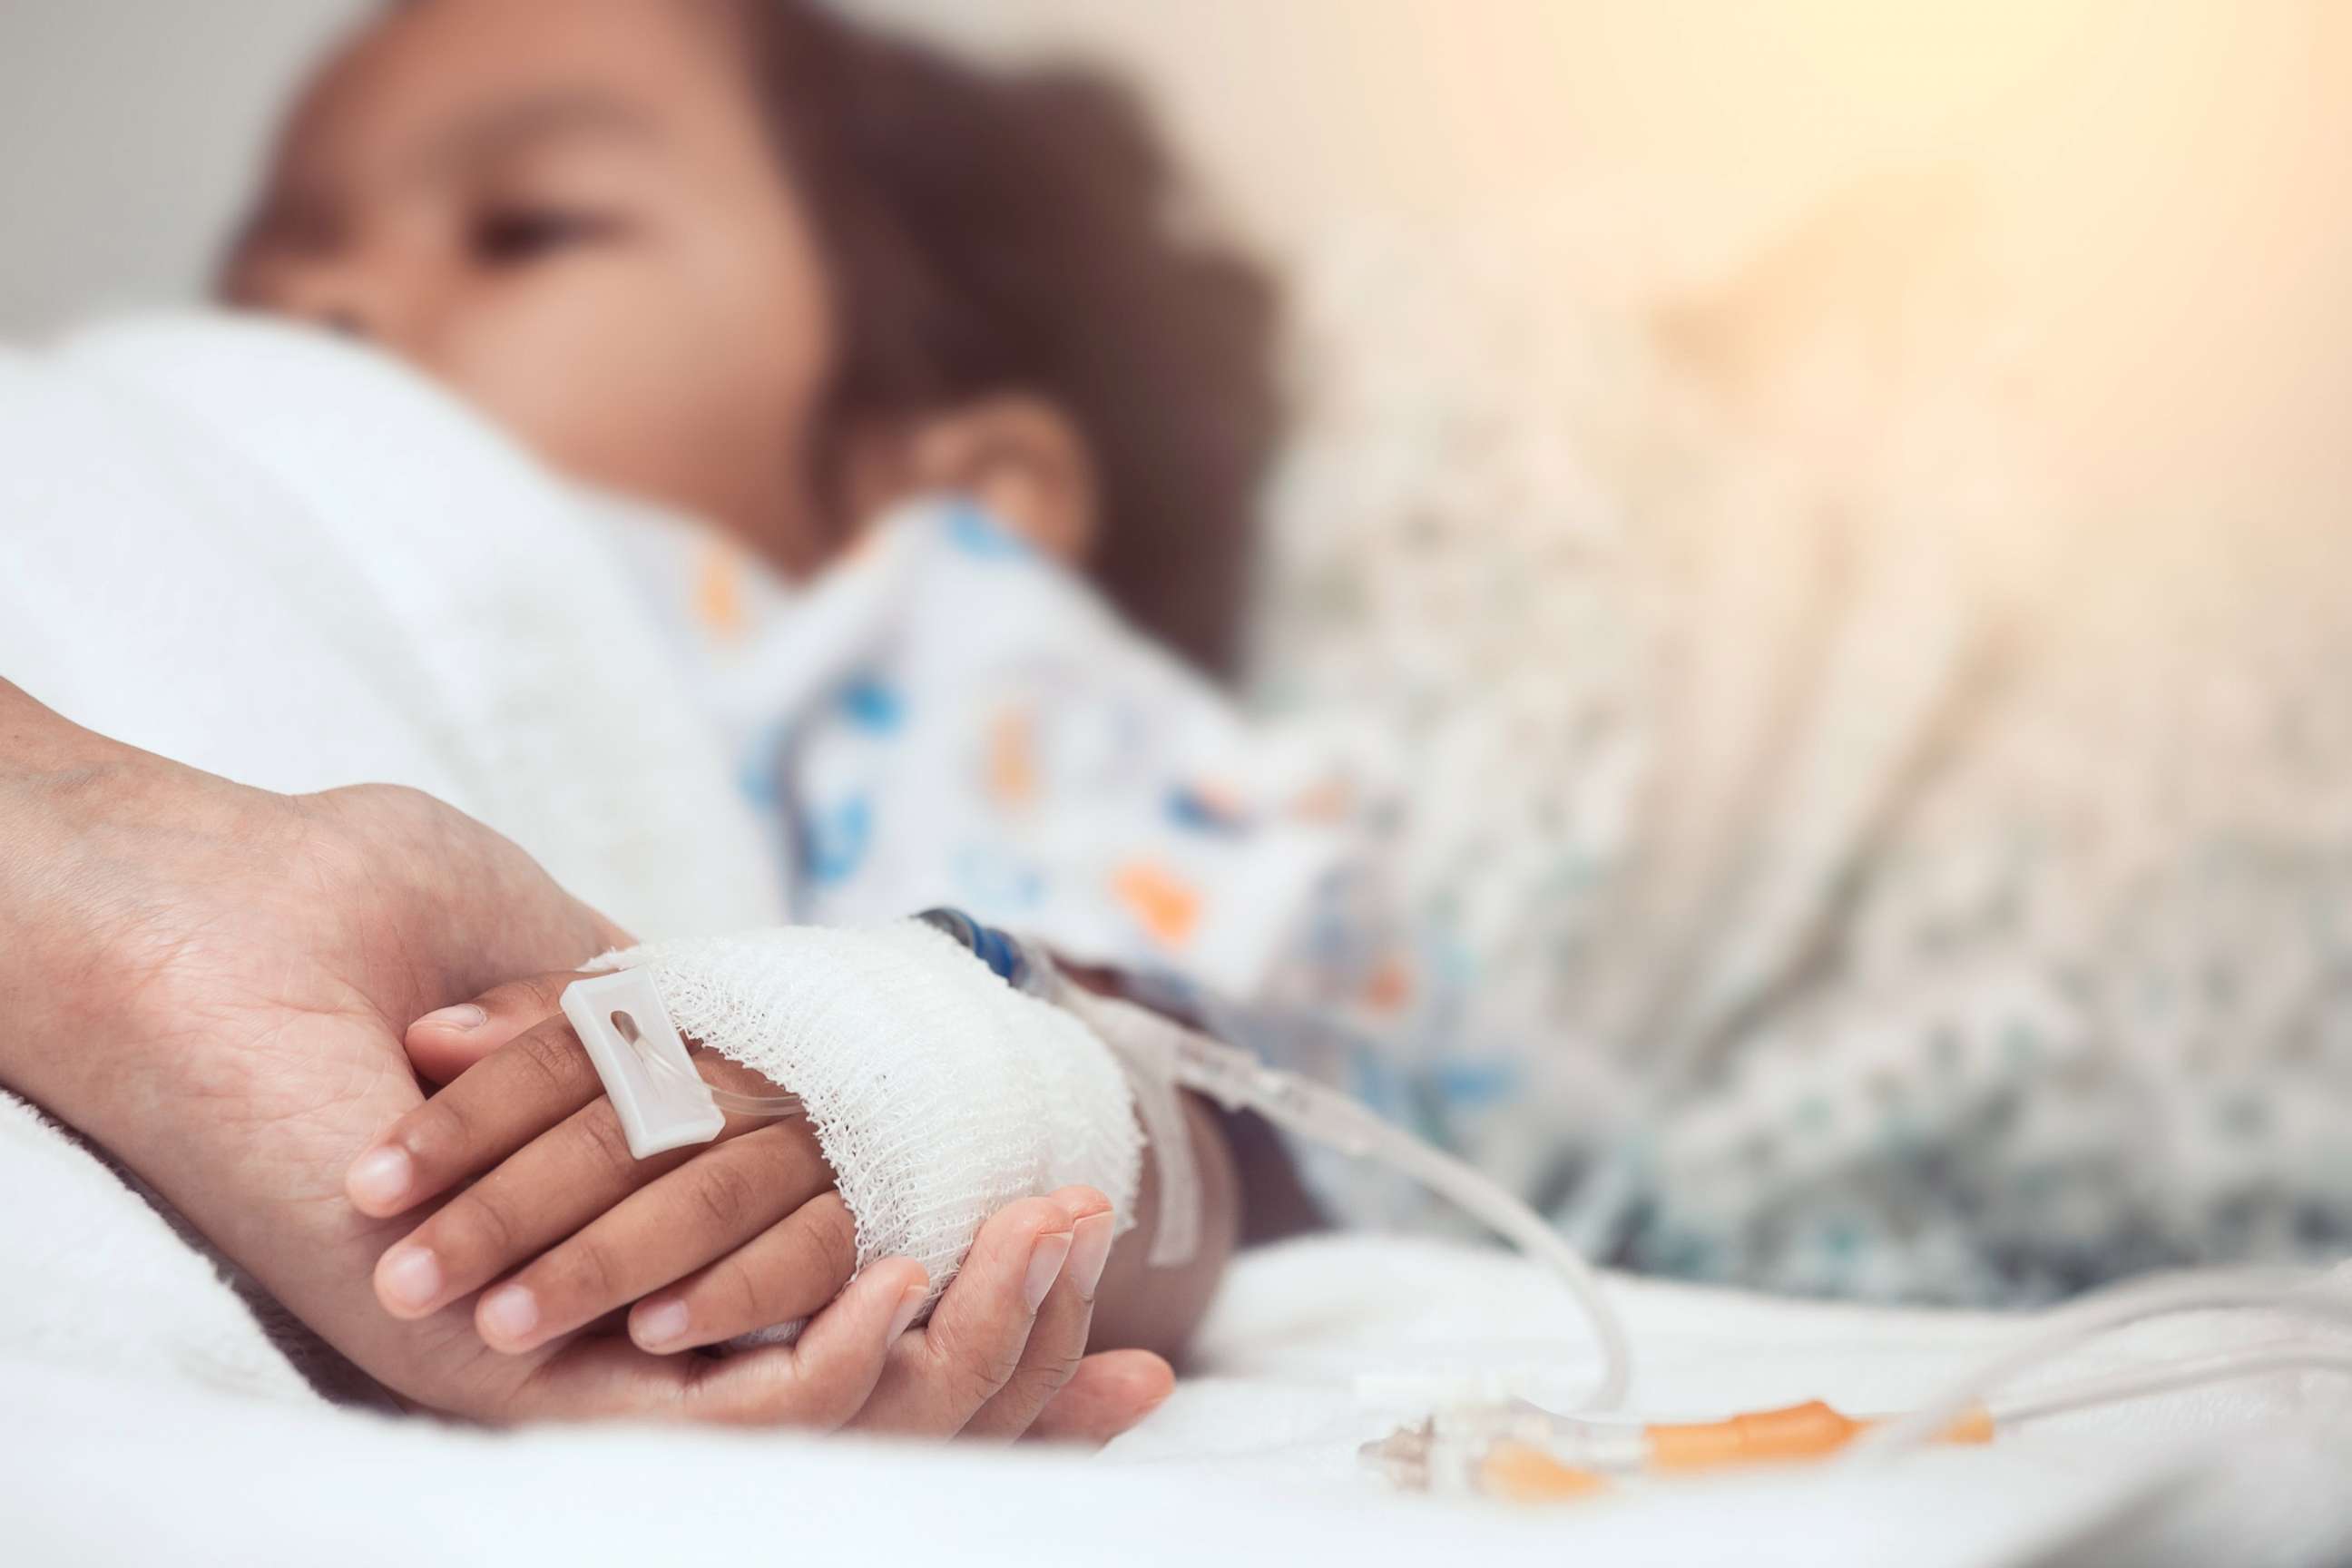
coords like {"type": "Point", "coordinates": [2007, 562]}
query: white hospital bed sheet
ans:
{"type": "Point", "coordinates": [1252, 1460]}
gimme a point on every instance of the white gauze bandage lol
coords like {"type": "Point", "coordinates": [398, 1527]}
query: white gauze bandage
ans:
{"type": "Point", "coordinates": [938, 1092]}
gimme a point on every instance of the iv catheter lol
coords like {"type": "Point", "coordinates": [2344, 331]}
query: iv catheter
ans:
{"type": "Point", "coordinates": [663, 1104]}
{"type": "Point", "coordinates": [1237, 1080]}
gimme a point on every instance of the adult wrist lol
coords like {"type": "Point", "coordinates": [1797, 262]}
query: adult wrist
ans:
{"type": "Point", "coordinates": [64, 793]}
{"type": "Point", "coordinates": [36, 741]}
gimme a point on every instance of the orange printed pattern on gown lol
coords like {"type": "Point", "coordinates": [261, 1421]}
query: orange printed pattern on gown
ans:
{"type": "Point", "coordinates": [1167, 907]}
{"type": "Point", "coordinates": [718, 590]}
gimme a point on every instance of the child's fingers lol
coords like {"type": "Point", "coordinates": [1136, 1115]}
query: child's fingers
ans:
{"type": "Point", "coordinates": [442, 1045]}
{"type": "Point", "coordinates": [556, 1183]}
{"type": "Point", "coordinates": [1057, 1340]}
{"type": "Point", "coordinates": [704, 1209]}
{"type": "Point", "coordinates": [788, 1271]}
{"type": "Point", "coordinates": [1110, 1391]}
{"type": "Point", "coordinates": [827, 1375]}
{"type": "Point", "coordinates": [938, 1378]}
{"type": "Point", "coordinates": [818, 1382]}
{"type": "Point", "coordinates": [501, 1104]}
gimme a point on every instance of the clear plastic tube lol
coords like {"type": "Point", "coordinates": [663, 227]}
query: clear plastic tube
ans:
{"type": "Point", "coordinates": [2140, 1383]}
{"type": "Point", "coordinates": [1236, 1079]}
{"type": "Point", "coordinates": [2297, 1291]}
{"type": "Point", "coordinates": [1334, 1118]}
{"type": "Point", "coordinates": [775, 1106]}
{"type": "Point", "coordinates": [770, 1105]}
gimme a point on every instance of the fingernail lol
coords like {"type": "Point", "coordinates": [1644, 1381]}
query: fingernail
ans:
{"type": "Point", "coordinates": [381, 1177]}
{"type": "Point", "coordinates": [410, 1276]}
{"type": "Point", "coordinates": [511, 1311]}
{"type": "Point", "coordinates": [908, 1305]}
{"type": "Point", "coordinates": [658, 1323]}
{"type": "Point", "coordinates": [1089, 1251]}
{"type": "Point", "coordinates": [1044, 1267]}
{"type": "Point", "coordinates": [463, 1016]}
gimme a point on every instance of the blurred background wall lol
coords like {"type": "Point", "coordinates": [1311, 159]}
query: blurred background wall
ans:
{"type": "Point", "coordinates": [128, 132]}
{"type": "Point", "coordinates": [2160, 187]}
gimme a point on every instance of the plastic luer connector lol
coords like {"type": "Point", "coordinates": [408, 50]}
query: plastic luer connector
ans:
{"type": "Point", "coordinates": [662, 1102]}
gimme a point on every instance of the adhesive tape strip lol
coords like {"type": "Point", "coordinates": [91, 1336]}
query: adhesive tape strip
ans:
{"type": "Point", "coordinates": [662, 1102]}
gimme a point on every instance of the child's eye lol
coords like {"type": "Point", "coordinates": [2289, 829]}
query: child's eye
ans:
{"type": "Point", "coordinates": [513, 236]}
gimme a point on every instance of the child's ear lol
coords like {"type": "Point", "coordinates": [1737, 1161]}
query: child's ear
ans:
{"type": "Point", "coordinates": [1020, 456]}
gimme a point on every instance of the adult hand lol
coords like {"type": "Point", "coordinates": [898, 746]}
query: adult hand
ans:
{"type": "Point", "coordinates": [211, 981]}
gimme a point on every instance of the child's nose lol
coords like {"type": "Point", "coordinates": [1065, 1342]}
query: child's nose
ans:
{"type": "Point", "coordinates": [339, 296]}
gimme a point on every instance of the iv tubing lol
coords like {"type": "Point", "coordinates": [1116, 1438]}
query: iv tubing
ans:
{"type": "Point", "coordinates": [728, 1100]}
{"type": "Point", "coordinates": [1328, 1116]}
{"type": "Point", "coordinates": [2292, 1291]}
{"type": "Point", "coordinates": [2115, 1388]}
{"type": "Point", "coordinates": [1521, 1225]}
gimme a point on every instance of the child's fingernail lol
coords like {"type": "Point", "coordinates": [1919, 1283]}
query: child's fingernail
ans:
{"type": "Point", "coordinates": [511, 1311]}
{"type": "Point", "coordinates": [1044, 1267]}
{"type": "Point", "coordinates": [908, 1305]}
{"type": "Point", "coordinates": [381, 1177]}
{"type": "Point", "coordinates": [1088, 1252]}
{"type": "Point", "coordinates": [459, 1019]}
{"type": "Point", "coordinates": [410, 1276]}
{"type": "Point", "coordinates": [658, 1323]}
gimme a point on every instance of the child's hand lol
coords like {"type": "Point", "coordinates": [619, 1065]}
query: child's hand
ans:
{"type": "Point", "coordinates": [556, 1194]}
{"type": "Point", "coordinates": [711, 1242]}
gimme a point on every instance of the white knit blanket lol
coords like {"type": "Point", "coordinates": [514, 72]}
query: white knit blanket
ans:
{"type": "Point", "coordinates": [266, 554]}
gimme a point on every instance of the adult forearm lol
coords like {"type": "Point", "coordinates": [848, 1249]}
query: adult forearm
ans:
{"type": "Point", "coordinates": [208, 982]}
{"type": "Point", "coordinates": [55, 780]}
{"type": "Point", "coordinates": [108, 855]}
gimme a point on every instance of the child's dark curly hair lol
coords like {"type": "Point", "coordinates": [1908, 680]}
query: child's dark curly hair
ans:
{"type": "Point", "coordinates": [1012, 231]}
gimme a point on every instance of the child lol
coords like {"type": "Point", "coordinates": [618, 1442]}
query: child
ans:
{"type": "Point", "coordinates": [745, 263]}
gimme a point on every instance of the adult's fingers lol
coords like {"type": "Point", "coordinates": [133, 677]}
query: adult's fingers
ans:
{"type": "Point", "coordinates": [938, 1378]}
{"type": "Point", "coordinates": [1110, 1391]}
{"type": "Point", "coordinates": [443, 1044]}
{"type": "Point", "coordinates": [1057, 1339]}
{"type": "Point", "coordinates": [704, 1209]}
{"type": "Point", "coordinates": [785, 1273]}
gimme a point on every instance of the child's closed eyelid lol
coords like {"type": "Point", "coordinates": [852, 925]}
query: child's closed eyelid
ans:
{"type": "Point", "coordinates": [517, 235]}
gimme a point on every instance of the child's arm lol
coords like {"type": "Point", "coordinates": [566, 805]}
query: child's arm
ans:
{"type": "Point", "coordinates": [1158, 1308]}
